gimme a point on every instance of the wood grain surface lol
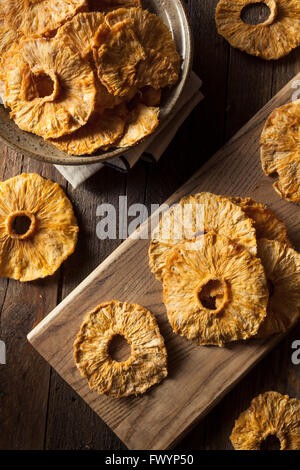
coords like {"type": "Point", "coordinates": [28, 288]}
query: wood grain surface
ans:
{"type": "Point", "coordinates": [38, 410]}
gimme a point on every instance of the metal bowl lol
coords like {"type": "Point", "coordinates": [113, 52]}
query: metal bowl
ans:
{"type": "Point", "coordinates": [173, 14]}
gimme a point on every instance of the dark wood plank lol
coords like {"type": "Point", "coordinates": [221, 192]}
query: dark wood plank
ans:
{"type": "Point", "coordinates": [24, 380]}
{"type": "Point", "coordinates": [71, 423]}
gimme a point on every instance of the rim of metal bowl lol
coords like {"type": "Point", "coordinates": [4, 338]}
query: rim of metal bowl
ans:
{"type": "Point", "coordinates": [166, 112]}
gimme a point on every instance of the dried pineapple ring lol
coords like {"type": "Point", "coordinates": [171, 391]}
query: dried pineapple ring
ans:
{"type": "Point", "coordinates": [274, 38]}
{"type": "Point", "coordinates": [80, 31]}
{"type": "Point", "coordinates": [162, 66]}
{"type": "Point", "coordinates": [270, 414]}
{"type": "Point", "coordinates": [266, 223]}
{"type": "Point", "coordinates": [214, 291]}
{"type": "Point", "coordinates": [8, 37]}
{"type": "Point", "coordinates": [79, 35]}
{"type": "Point", "coordinates": [147, 364]}
{"type": "Point", "coordinates": [282, 267]}
{"type": "Point", "coordinates": [39, 17]}
{"type": "Point", "coordinates": [117, 56]}
{"type": "Point", "coordinates": [213, 213]}
{"type": "Point", "coordinates": [101, 131]}
{"type": "Point", "coordinates": [110, 5]}
{"type": "Point", "coordinates": [36, 250]}
{"type": "Point", "coordinates": [280, 144]}
{"type": "Point", "coordinates": [50, 90]}
{"type": "Point", "coordinates": [142, 121]}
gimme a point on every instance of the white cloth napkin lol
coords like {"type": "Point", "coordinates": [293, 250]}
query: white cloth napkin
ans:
{"type": "Point", "coordinates": [153, 148]}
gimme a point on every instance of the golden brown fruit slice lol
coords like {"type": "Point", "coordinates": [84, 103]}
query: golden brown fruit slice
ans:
{"type": "Point", "coordinates": [109, 5]}
{"type": "Point", "coordinates": [8, 37]}
{"type": "Point", "coordinates": [193, 215]}
{"type": "Point", "coordinates": [274, 38]}
{"type": "Point", "coordinates": [214, 291]}
{"type": "Point", "coordinates": [117, 56]}
{"type": "Point", "coordinates": [147, 364]}
{"type": "Point", "coordinates": [270, 414]}
{"type": "Point", "coordinates": [101, 132]}
{"type": "Point", "coordinates": [266, 223]}
{"type": "Point", "coordinates": [38, 229]}
{"type": "Point", "coordinates": [282, 267]}
{"type": "Point", "coordinates": [50, 89]}
{"type": "Point", "coordinates": [79, 35]}
{"type": "Point", "coordinates": [280, 150]}
{"type": "Point", "coordinates": [80, 31]}
{"type": "Point", "coordinates": [162, 65]}
{"type": "Point", "coordinates": [39, 17]}
{"type": "Point", "coordinates": [142, 121]}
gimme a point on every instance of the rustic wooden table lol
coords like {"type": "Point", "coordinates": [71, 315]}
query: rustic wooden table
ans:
{"type": "Point", "coordinates": [37, 409]}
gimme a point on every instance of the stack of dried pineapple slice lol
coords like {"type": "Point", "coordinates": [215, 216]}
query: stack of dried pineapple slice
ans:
{"type": "Point", "coordinates": [85, 80]}
{"type": "Point", "coordinates": [228, 269]}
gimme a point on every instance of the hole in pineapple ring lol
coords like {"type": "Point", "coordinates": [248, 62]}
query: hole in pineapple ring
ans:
{"type": "Point", "coordinates": [213, 294]}
{"type": "Point", "coordinates": [41, 85]}
{"type": "Point", "coordinates": [271, 287]}
{"type": "Point", "coordinates": [271, 442]}
{"type": "Point", "coordinates": [21, 225]}
{"type": "Point", "coordinates": [259, 12]}
{"type": "Point", "coordinates": [44, 84]}
{"type": "Point", "coordinates": [119, 349]}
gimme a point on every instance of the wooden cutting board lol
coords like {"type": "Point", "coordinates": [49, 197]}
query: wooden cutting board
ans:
{"type": "Point", "coordinates": [198, 376]}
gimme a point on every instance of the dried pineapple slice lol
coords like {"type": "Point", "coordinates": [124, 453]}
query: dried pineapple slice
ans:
{"type": "Point", "coordinates": [162, 65]}
{"type": "Point", "coordinates": [142, 121]}
{"type": "Point", "coordinates": [274, 38]}
{"type": "Point", "coordinates": [270, 414]}
{"type": "Point", "coordinates": [147, 364]}
{"type": "Point", "coordinates": [101, 132]}
{"type": "Point", "coordinates": [214, 291]}
{"type": "Point", "coordinates": [213, 213]}
{"type": "Point", "coordinates": [280, 150]}
{"type": "Point", "coordinates": [117, 56]}
{"type": "Point", "coordinates": [50, 89]}
{"type": "Point", "coordinates": [8, 37]}
{"type": "Point", "coordinates": [80, 31]}
{"type": "Point", "coordinates": [79, 35]}
{"type": "Point", "coordinates": [39, 249]}
{"type": "Point", "coordinates": [282, 267]}
{"type": "Point", "coordinates": [110, 5]}
{"type": "Point", "coordinates": [39, 17]}
{"type": "Point", "coordinates": [266, 223]}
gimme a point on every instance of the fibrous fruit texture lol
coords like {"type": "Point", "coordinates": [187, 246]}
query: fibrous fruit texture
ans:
{"type": "Point", "coordinates": [147, 364]}
{"type": "Point", "coordinates": [50, 90]}
{"type": "Point", "coordinates": [39, 17]}
{"type": "Point", "coordinates": [38, 229]}
{"type": "Point", "coordinates": [266, 223]}
{"type": "Point", "coordinates": [282, 267]}
{"type": "Point", "coordinates": [215, 291]}
{"type": "Point", "coordinates": [196, 214]}
{"type": "Point", "coordinates": [280, 150]}
{"type": "Point", "coordinates": [272, 39]}
{"type": "Point", "coordinates": [270, 414]}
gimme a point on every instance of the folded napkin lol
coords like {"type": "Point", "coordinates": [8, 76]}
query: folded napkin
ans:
{"type": "Point", "coordinates": [150, 150]}
{"type": "Point", "coordinates": [153, 148]}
